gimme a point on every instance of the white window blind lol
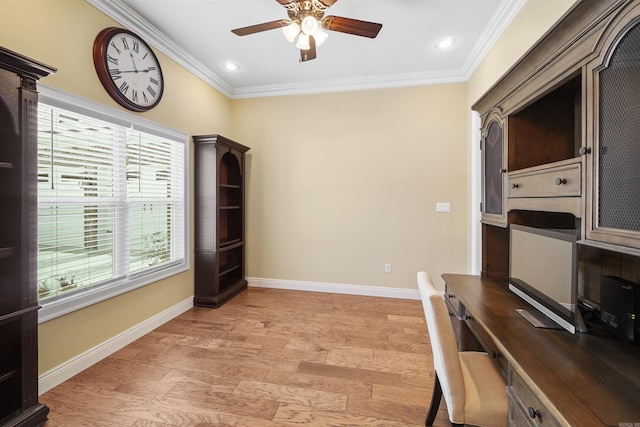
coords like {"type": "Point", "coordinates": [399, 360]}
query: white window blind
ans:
{"type": "Point", "coordinates": [111, 206]}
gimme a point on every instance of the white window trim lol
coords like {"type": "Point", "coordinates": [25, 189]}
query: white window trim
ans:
{"type": "Point", "coordinates": [93, 295]}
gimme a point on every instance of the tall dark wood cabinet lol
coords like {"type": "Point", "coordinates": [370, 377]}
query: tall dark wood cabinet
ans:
{"type": "Point", "coordinates": [18, 227]}
{"type": "Point", "coordinates": [219, 217]}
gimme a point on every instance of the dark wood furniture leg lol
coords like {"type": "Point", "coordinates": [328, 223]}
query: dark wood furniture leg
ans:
{"type": "Point", "coordinates": [435, 403]}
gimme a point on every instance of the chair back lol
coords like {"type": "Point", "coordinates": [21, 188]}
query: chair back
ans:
{"type": "Point", "coordinates": [444, 347]}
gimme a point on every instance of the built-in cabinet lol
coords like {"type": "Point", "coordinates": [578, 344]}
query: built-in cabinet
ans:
{"type": "Point", "coordinates": [19, 404]}
{"type": "Point", "coordinates": [219, 219]}
{"type": "Point", "coordinates": [569, 113]}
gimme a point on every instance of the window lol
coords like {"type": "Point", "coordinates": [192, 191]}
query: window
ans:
{"type": "Point", "coordinates": [111, 202]}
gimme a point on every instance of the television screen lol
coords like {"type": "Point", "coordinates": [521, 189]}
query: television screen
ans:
{"type": "Point", "coordinates": [543, 272]}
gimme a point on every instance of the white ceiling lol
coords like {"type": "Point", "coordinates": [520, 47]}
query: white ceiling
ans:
{"type": "Point", "coordinates": [197, 34]}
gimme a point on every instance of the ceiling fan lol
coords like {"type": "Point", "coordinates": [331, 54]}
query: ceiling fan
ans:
{"type": "Point", "coordinates": [306, 21]}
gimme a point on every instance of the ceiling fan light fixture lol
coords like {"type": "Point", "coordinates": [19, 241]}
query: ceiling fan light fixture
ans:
{"type": "Point", "coordinates": [291, 31]}
{"type": "Point", "coordinates": [309, 26]}
{"type": "Point", "coordinates": [320, 36]}
{"type": "Point", "coordinates": [303, 42]}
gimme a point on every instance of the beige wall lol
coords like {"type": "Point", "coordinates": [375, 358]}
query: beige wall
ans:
{"type": "Point", "coordinates": [342, 183]}
{"type": "Point", "coordinates": [60, 33]}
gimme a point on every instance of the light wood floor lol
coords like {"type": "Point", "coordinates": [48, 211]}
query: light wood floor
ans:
{"type": "Point", "coordinates": [266, 358]}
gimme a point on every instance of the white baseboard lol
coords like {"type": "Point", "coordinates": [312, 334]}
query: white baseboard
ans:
{"type": "Point", "coordinates": [71, 367]}
{"type": "Point", "coordinates": [335, 288]}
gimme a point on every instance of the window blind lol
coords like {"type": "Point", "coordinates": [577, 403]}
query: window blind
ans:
{"type": "Point", "coordinates": [111, 204]}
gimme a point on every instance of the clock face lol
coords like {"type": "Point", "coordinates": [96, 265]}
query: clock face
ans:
{"type": "Point", "coordinates": [128, 69]}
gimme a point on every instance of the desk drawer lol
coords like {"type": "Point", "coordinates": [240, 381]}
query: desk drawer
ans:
{"type": "Point", "coordinates": [487, 344]}
{"type": "Point", "coordinates": [465, 339]}
{"type": "Point", "coordinates": [517, 417]}
{"type": "Point", "coordinates": [453, 303]}
{"type": "Point", "coordinates": [549, 181]}
{"type": "Point", "coordinates": [525, 406]}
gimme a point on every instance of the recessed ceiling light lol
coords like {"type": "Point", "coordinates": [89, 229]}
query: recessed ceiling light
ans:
{"type": "Point", "coordinates": [230, 66]}
{"type": "Point", "coordinates": [445, 43]}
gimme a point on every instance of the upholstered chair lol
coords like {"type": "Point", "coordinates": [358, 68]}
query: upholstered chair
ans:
{"type": "Point", "coordinates": [470, 381]}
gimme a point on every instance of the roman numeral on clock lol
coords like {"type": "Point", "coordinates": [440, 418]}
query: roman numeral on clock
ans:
{"type": "Point", "coordinates": [124, 87]}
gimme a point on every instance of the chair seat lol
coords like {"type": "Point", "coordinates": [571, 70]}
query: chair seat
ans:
{"type": "Point", "coordinates": [485, 396]}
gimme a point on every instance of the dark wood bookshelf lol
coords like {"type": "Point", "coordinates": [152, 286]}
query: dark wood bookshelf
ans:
{"type": "Point", "coordinates": [220, 210]}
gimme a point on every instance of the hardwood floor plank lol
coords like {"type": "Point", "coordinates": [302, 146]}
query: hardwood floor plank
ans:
{"type": "Point", "coordinates": [415, 396]}
{"type": "Point", "coordinates": [292, 415]}
{"type": "Point", "coordinates": [384, 409]}
{"type": "Point", "coordinates": [405, 364]}
{"type": "Point", "coordinates": [266, 358]}
{"type": "Point", "coordinates": [351, 388]}
{"type": "Point", "coordinates": [293, 395]}
{"type": "Point", "coordinates": [175, 413]}
{"type": "Point", "coordinates": [366, 375]}
{"type": "Point", "coordinates": [406, 319]}
{"type": "Point", "coordinates": [210, 399]}
{"type": "Point", "coordinates": [179, 376]}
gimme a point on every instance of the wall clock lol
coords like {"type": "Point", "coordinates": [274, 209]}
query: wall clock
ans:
{"type": "Point", "coordinates": [128, 69]}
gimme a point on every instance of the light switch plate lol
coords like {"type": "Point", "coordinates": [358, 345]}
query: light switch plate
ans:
{"type": "Point", "coordinates": [443, 207]}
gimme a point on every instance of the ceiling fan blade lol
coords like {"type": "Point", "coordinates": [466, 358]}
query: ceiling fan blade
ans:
{"type": "Point", "coordinates": [309, 54]}
{"type": "Point", "coordinates": [351, 26]}
{"type": "Point", "coordinates": [327, 3]}
{"type": "Point", "coordinates": [260, 27]}
{"type": "Point", "coordinates": [284, 2]}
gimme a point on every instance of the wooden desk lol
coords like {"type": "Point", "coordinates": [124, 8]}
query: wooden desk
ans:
{"type": "Point", "coordinates": [581, 379]}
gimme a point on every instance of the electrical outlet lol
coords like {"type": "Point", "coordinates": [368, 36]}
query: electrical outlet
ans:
{"type": "Point", "coordinates": [387, 268]}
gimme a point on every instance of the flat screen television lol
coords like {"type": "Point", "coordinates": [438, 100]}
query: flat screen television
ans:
{"type": "Point", "coordinates": [543, 271]}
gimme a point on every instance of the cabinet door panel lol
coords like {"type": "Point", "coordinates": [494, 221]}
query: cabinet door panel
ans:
{"type": "Point", "coordinates": [613, 206]}
{"type": "Point", "coordinates": [619, 133]}
{"type": "Point", "coordinates": [493, 172]}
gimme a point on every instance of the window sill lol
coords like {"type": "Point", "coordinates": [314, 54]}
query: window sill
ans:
{"type": "Point", "coordinates": [93, 295]}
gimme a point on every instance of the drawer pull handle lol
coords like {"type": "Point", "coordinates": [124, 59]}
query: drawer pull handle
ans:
{"type": "Point", "coordinates": [467, 317]}
{"type": "Point", "coordinates": [560, 181]}
{"type": "Point", "coordinates": [534, 412]}
{"type": "Point", "coordinates": [495, 354]}
{"type": "Point", "coordinates": [515, 185]}
{"type": "Point", "coordinates": [451, 296]}
{"type": "Point", "coordinates": [502, 170]}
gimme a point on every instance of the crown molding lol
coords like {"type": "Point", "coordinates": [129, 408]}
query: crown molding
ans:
{"type": "Point", "coordinates": [128, 18]}
{"type": "Point", "coordinates": [499, 22]}
{"type": "Point", "coordinates": [360, 83]}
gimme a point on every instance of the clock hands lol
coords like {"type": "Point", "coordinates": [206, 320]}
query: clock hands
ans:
{"type": "Point", "coordinates": [147, 70]}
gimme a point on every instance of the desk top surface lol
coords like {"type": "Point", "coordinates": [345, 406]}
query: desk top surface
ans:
{"type": "Point", "coordinates": [591, 379]}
